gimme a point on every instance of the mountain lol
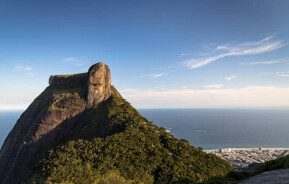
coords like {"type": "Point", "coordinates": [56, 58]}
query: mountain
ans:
{"type": "Point", "coordinates": [81, 130]}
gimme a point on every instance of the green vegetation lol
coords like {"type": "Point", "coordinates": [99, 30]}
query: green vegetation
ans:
{"type": "Point", "coordinates": [65, 97]}
{"type": "Point", "coordinates": [62, 102]}
{"type": "Point", "coordinates": [67, 89]}
{"type": "Point", "coordinates": [75, 83]}
{"type": "Point", "coordinates": [67, 94]}
{"type": "Point", "coordinates": [121, 146]}
{"type": "Point", "coordinates": [280, 163]}
{"type": "Point", "coordinates": [63, 76]}
{"type": "Point", "coordinates": [113, 144]}
{"type": "Point", "coordinates": [67, 75]}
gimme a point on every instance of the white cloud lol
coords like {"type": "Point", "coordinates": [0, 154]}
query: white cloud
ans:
{"type": "Point", "coordinates": [282, 75]}
{"type": "Point", "coordinates": [78, 62]}
{"type": "Point", "coordinates": [25, 69]}
{"type": "Point", "coordinates": [18, 96]}
{"type": "Point", "coordinates": [184, 54]}
{"type": "Point", "coordinates": [230, 78]}
{"type": "Point", "coordinates": [251, 96]}
{"type": "Point", "coordinates": [161, 87]}
{"type": "Point", "coordinates": [263, 62]}
{"type": "Point", "coordinates": [157, 75]}
{"type": "Point", "coordinates": [276, 74]}
{"type": "Point", "coordinates": [153, 75]}
{"type": "Point", "coordinates": [243, 49]}
{"type": "Point", "coordinates": [214, 86]}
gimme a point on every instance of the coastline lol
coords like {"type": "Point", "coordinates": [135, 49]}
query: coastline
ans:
{"type": "Point", "coordinates": [242, 158]}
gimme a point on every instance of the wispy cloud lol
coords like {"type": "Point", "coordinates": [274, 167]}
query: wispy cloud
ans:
{"type": "Point", "coordinates": [157, 75]}
{"type": "Point", "coordinates": [18, 96]}
{"type": "Point", "coordinates": [276, 74]}
{"type": "Point", "coordinates": [250, 96]}
{"type": "Point", "coordinates": [158, 72]}
{"type": "Point", "coordinates": [264, 62]}
{"type": "Point", "coordinates": [214, 86]}
{"type": "Point", "coordinates": [185, 87]}
{"type": "Point", "coordinates": [230, 78]}
{"type": "Point", "coordinates": [153, 75]}
{"type": "Point", "coordinates": [184, 54]}
{"type": "Point", "coordinates": [78, 62]}
{"type": "Point", "coordinates": [265, 45]}
{"type": "Point", "coordinates": [25, 69]}
{"type": "Point", "coordinates": [282, 75]}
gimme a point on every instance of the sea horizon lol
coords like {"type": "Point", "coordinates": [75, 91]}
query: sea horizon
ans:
{"type": "Point", "coordinates": [209, 128]}
{"type": "Point", "coordinates": [173, 108]}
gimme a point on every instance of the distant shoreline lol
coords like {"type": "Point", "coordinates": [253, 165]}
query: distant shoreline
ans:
{"type": "Point", "coordinates": [250, 148]}
{"type": "Point", "coordinates": [241, 158]}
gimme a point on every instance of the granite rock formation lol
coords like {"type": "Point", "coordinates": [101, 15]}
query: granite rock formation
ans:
{"type": "Point", "coordinates": [99, 83]}
{"type": "Point", "coordinates": [40, 127]}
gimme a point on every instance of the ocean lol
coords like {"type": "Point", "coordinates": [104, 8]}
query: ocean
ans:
{"type": "Point", "coordinates": [208, 128]}
{"type": "Point", "coordinates": [7, 121]}
{"type": "Point", "coordinates": [225, 128]}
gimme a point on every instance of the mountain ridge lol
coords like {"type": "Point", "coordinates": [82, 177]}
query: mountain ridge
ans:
{"type": "Point", "coordinates": [85, 111]}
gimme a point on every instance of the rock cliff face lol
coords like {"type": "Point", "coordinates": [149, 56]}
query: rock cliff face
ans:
{"type": "Point", "coordinates": [99, 82]}
{"type": "Point", "coordinates": [40, 127]}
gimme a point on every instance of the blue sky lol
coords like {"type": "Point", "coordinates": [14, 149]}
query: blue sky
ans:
{"type": "Point", "coordinates": [163, 54]}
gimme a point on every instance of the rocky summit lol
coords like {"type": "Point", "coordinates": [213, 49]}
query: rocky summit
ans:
{"type": "Point", "coordinates": [80, 130]}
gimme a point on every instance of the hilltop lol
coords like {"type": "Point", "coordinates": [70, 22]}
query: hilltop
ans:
{"type": "Point", "coordinates": [81, 130]}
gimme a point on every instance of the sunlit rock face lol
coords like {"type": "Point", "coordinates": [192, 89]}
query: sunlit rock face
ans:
{"type": "Point", "coordinates": [99, 84]}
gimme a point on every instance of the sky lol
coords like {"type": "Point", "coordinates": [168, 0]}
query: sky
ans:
{"type": "Point", "coordinates": [162, 54]}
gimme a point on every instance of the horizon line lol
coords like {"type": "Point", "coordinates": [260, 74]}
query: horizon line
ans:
{"type": "Point", "coordinates": [173, 108]}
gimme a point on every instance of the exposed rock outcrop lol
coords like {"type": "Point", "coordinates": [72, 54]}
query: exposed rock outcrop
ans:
{"type": "Point", "coordinates": [99, 83]}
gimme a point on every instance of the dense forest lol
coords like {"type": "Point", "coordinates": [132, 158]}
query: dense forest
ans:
{"type": "Point", "coordinates": [132, 150]}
